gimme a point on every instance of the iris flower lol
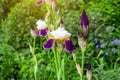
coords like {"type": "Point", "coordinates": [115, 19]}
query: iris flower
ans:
{"type": "Point", "coordinates": [42, 28]}
{"type": "Point", "coordinates": [59, 35]}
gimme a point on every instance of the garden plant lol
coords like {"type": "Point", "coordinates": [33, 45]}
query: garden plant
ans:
{"type": "Point", "coordinates": [59, 40]}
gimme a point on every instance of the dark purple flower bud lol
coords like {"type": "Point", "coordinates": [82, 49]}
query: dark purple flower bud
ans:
{"type": "Point", "coordinates": [40, 2]}
{"type": "Point", "coordinates": [88, 66]}
{"type": "Point", "coordinates": [85, 24]}
{"type": "Point", "coordinates": [69, 46]}
{"type": "Point", "coordinates": [89, 72]}
{"type": "Point", "coordinates": [42, 32]}
{"type": "Point", "coordinates": [48, 45]}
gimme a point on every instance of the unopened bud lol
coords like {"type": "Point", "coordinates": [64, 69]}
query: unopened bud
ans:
{"type": "Point", "coordinates": [47, 14]}
{"type": "Point", "coordinates": [89, 73]}
{"type": "Point", "coordinates": [33, 33]}
{"type": "Point", "coordinates": [74, 55]}
{"type": "Point", "coordinates": [58, 11]}
{"type": "Point", "coordinates": [51, 27]}
{"type": "Point", "coordinates": [58, 19]}
{"type": "Point", "coordinates": [79, 69]}
{"type": "Point", "coordinates": [81, 41]}
{"type": "Point", "coordinates": [53, 4]}
{"type": "Point", "coordinates": [85, 24]}
{"type": "Point", "coordinates": [62, 23]}
{"type": "Point", "coordinates": [31, 49]}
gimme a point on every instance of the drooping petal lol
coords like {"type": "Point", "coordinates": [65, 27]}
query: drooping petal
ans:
{"type": "Point", "coordinates": [40, 2]}
{"type": "Point", "coordinates": [42, 32]}
{"type": "Point", "coordinates": [48, 44]}
{"type": "Point", "coordinates": [69, 46]}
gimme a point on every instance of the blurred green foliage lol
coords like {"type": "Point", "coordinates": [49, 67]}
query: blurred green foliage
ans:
{"type": "Point", "coordinates": [17, 17]}
{"type": "Point", "coordinates": [19, 21]}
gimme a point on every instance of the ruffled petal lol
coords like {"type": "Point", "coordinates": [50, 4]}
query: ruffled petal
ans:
{"type": "Point", "coordinates": [48, 44]}
{"type": "Point", "coordinates": [40, 2]}
{"type": "Point", "coordinates": [42, 32]}
{"type": "Point", "coordinates": [69, 46]}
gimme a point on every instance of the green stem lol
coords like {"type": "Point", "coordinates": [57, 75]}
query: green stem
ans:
{"type": "Point", "coordinates": [56, 61]}
{"type": "Point", "coordinates": [35, 60]}
{"type": "Point", "coordinates": [59, 67]}
{"type": "Point", "coordinates": [82, 64]}
{"type": "Point", "coordinates": [62, 66]}
{"type": "Point", "coordinates": [74, 58]}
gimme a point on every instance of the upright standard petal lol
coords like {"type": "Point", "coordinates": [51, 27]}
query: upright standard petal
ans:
{"type": "Point", "coordinates": [42, 32]}
{"type": "Point", "coordinates": [69, 46]}
{"type": "Point", "coordinates": [40, 2]}
{"type": "Point", "coordinates": [48, 44]}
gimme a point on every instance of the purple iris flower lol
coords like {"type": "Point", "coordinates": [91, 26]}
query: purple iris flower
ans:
{"type": "Point", "coordinates": [42, 28]}
{"type": "Point", "coordinates": [60, 35]}
{"type": "Point", "coordinates": [85, 24]}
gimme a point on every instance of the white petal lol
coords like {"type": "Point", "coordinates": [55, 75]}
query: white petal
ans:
{"type": "Point", "coordinates": [41, 24]}
{"type": "Point", "coordinates": [60, 33]}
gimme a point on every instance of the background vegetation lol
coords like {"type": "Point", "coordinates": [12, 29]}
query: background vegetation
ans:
{"type": "Point", "coordinates": [18, 16]}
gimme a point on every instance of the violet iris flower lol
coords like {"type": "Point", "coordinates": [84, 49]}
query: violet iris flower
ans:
{"type": "Point", "coordinates": [42, 28]}
{"type": "Point", "coordinates": [59, 35]}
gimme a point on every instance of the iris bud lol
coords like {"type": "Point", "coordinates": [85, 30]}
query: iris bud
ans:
{"type": "Point", "coordinates": [81, 41]}
{"type": "Point", "coordinates": [89, 72]}
{"type": "Point", "coordinates": [85, 24]}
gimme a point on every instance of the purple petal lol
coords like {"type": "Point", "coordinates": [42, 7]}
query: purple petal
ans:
{"type": "Point", "coordinates": [48, 44]}
{"type": "Point", "coordinates": [40, 2]}
{"type": "Point", "coordinates": [69, 46]}
{"type": "Point", "coordinates": [84, 19]}
{"type": "Point", "coordinates": [42, 32]}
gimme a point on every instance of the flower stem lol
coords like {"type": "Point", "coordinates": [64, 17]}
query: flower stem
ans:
{"type": "Point", "coordinates": [82, 64]}
{"type": "Point", "coordinates": [35, 60]}
{"type": "Point", "coordinates": [56, 62]}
